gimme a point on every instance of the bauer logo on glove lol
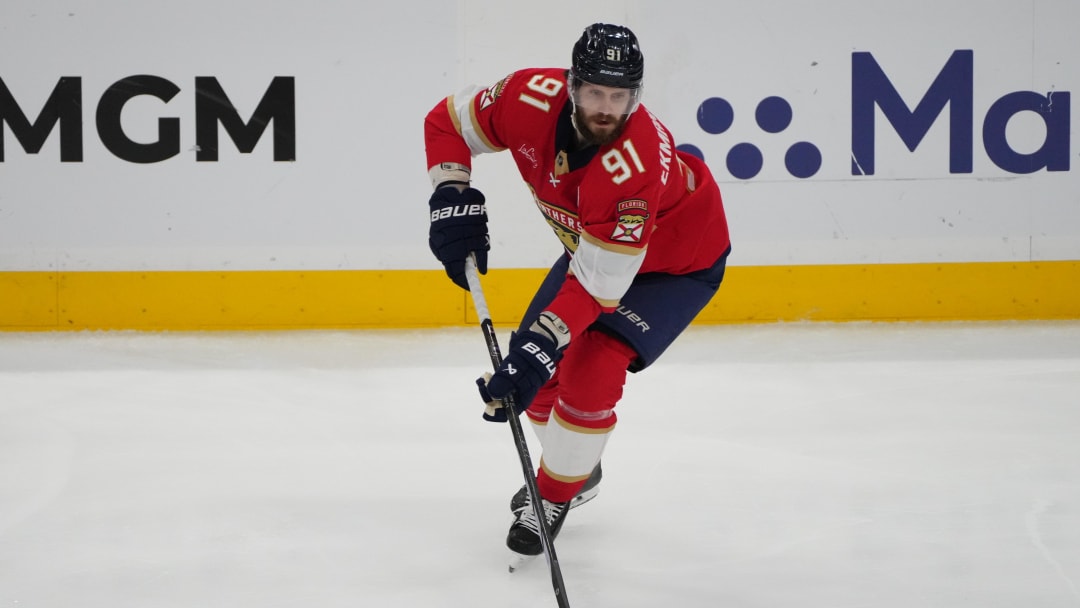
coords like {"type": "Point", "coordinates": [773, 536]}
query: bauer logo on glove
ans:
{"type": "Point", "coordinates": [541, 357]}
{"type": "Point", "coordinates": [459, 211]}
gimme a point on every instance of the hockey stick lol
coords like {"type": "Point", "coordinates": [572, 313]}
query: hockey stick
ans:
{"type": "Point", "coordinates": [480, 304]}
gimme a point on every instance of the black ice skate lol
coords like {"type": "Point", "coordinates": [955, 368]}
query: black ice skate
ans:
{"type": "Point", "coordinates": [524, 536]}
{"type": "Point", "coordinates": [584, 495]}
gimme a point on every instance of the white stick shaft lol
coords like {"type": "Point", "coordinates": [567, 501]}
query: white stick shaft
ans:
{"type": "Point", "coordinates": [473, 277]}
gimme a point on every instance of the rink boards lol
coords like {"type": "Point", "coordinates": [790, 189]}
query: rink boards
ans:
{"type": "Point", "coordinates": [375, 299]}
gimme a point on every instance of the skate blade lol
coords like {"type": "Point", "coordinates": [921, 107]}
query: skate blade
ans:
{"type": "Point", "coordinates": [575, 502]}
{"type": "Point", "coordinates": [584, 497]}
{"type": "Point", "coordinates": [518, 561]}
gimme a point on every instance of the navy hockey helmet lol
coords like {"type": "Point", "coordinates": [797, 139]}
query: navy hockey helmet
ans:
{"type": "Point", "coordinates": [608, 55]}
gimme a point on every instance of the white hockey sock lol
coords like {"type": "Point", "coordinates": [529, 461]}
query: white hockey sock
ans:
{"type": "Point", "coordinates": [571, 451]}
{"type": "Point", "coordinates": [539, 430]}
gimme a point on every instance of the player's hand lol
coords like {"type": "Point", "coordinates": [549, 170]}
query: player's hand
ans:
{"type": "Point", "coordinates": [530, 363]}
{"type": "Point", "coordinates": [458, 227]}
{"type": "Point", "coordinates": [494, 409]}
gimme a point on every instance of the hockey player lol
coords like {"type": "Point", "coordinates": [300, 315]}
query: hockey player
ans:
{"type": "Point", "coordinates": [645, 244]}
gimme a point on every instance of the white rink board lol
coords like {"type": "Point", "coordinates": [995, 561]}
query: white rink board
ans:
{"type": "Point", "coordinates": [365, 75]}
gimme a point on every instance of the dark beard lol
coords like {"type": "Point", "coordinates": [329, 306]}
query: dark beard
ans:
{"type": "Point", "coordinates": [590, 137]}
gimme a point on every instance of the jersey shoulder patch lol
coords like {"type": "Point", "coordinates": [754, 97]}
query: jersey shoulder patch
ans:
{"type": "Point", "coordinates": [492, 93]}
{"type": "Point", "coordinates": [630, 225]}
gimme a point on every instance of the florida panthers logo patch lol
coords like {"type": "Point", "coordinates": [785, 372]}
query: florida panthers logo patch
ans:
{"type": "Point", "coordinates": [630, 227]}
{"type": "Point", "coordinates": [489, 96]}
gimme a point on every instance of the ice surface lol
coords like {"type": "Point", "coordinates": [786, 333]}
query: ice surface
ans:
{"type": "Point", "coordinates": [791, 465]}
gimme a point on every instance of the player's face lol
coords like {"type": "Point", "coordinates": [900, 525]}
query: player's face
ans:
{"type": "Point", "coordinates": [600, 112]}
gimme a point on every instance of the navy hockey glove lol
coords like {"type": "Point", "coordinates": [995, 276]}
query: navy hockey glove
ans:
{"type": "Point", "coordinates": [458, 227]}
{"type": "Point", "coordinates": [529, 364]}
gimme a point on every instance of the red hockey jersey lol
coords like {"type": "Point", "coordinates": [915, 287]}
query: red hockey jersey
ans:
{"type": "Point", "coordinates": [637, 192]}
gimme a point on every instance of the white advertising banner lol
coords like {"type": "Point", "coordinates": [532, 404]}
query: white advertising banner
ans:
{"type": "Point", "coordinates": [279, 135]}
